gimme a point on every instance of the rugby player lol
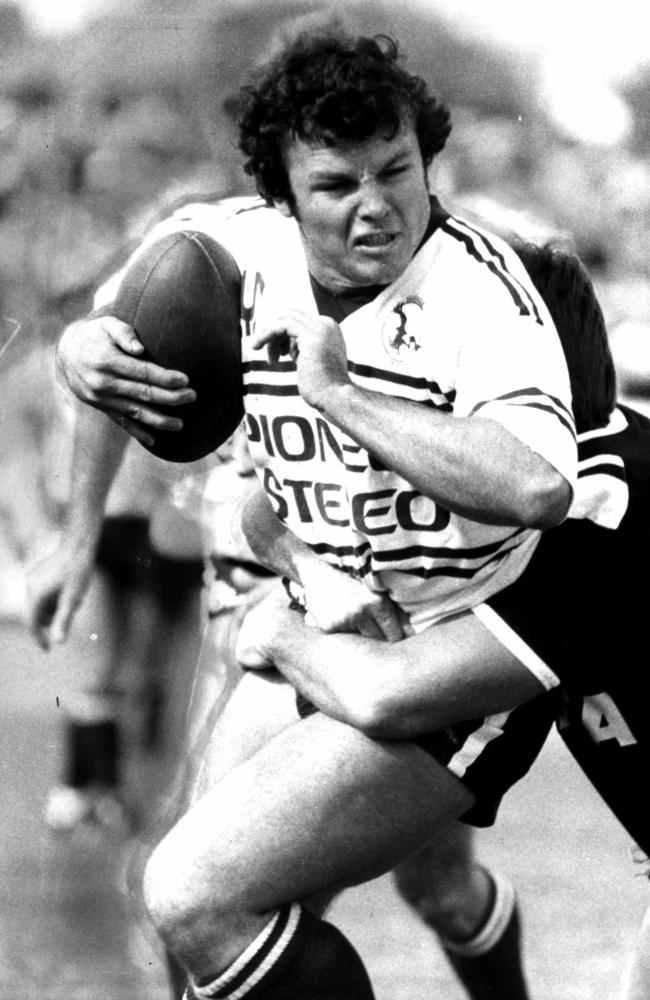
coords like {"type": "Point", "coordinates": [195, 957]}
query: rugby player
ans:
{"type": "Point", "coordinates": [572, 621]}
{"type": "Point", "coordinates": [462, 438]}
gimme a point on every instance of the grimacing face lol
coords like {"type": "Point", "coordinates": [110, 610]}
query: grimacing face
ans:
{"type": "Point", "coordinates": [362, 208]}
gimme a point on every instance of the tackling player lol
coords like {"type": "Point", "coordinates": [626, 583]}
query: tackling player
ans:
{"type": "Point", "coordinates": [427, 469]}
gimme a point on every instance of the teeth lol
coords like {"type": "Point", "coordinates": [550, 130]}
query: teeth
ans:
{"type": "Point", "coordinates": [375, 239]}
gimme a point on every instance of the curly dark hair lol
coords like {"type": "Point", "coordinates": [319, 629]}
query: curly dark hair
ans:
{"type": "Point", "coordinates": [332, 89]}
{"type": "Point", "coordinates": [563, 282]}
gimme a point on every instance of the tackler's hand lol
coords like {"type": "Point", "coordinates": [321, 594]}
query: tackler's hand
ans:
{"type": "Point", "coordinates": [338, 602]}
{"type": "Point", "coordinates": [259, 627]}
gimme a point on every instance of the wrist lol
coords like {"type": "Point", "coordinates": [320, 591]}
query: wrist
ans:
{"type": "Point", "coordinates": [79, 540]}
{"type": "Point", "coordinates": [336, 400]}
{"type": "Point", "coordinates": [284, 638]}
{"type": "Point", "coordinates": [271, 637]}
{"type": "Point", "coordinates": [41, 544]}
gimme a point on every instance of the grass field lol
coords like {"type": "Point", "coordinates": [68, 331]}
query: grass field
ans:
{"type": "Point", "coordinates": [68, 933]}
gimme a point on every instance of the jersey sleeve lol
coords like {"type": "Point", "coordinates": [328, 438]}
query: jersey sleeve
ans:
{"type": "Point", "coordinates": [212, 218]}
{"type": "Point", "coordinates": [511, 367]}
{"type": "Point", "coordinates": [107, 291]}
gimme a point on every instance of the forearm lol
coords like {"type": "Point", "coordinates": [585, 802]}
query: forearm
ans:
{"type": "Point", "coordinates": [470, 465]}
{"type": "Point", "coordinates": [99, 446]}
{"type": "Point", "coordinates": [342, 687]}
{"type": "Point", "coordinates": [450, 673]}
{"type": "Point", "coordinates": [272, 543]}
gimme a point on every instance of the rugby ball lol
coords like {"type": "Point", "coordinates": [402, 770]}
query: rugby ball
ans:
{"type": "Point", "coordinates": [182, 297]}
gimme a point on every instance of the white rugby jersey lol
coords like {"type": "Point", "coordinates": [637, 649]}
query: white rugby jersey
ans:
{"type": "Point", "coordinates": [461, 331]}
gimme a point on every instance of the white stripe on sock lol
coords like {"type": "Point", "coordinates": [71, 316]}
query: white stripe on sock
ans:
{"type": "Point", "coordinates": [491, 932]}
{"type": "Point", "coordinates": [273, 955]}
{"type": "Point", "coordinates": [210, 990]}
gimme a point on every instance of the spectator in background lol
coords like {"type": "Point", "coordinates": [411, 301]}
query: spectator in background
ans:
{"type": "Point", "coordinates": [141, 612]}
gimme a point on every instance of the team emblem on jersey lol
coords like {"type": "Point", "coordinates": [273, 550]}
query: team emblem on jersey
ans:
{"type": "Point", "coordinates": [252, 289]}
{"type": "Point", "coordinates": [402, 333]}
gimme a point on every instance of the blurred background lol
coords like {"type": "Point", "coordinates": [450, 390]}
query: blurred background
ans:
{"type": "Point", "coordinates": [111, 110]}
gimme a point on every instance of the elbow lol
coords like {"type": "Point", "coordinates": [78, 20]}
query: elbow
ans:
{"type": "Point", "coordinates": [546, 503]}
{"type": "Point", "coordinates": [378, 714]}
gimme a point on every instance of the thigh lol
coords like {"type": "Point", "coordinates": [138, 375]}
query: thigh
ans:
{"type": "Point", "coordinates": [637, 977]}
{"type": "Point", "coordinates": [320, 806]}
{"type": "Point", "coordinates": [261, 705]}
{"type": "Point", "coordinates": [218, 671]}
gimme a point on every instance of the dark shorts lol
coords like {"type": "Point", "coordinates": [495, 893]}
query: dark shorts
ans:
{"type": "Point", "coordinates": [579, 607]}
{"type": "Point", "coordinates": [488, 755]}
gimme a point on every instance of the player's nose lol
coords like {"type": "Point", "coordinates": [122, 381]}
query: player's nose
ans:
{"type": "Point", "coordinates": [373, 202]}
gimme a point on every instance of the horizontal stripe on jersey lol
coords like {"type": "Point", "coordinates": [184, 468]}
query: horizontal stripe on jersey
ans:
{"type": "Point", "coordinates": [362, 561]}
{"type": "Point", "coordinates": [279, 379]}
{"type": "Point", "coordinates": [602, 493]}
{"type": "Point", "coordinates": [537, 399]}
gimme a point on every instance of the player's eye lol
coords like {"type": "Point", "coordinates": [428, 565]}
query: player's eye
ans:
{"type": "Point", "coordinates": [395, 171]}
{"type": "Point", "coordinates": [334, 186]}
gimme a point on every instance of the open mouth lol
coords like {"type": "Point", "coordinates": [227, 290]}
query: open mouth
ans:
{"type": "Point", "coordinates": [375, 240]}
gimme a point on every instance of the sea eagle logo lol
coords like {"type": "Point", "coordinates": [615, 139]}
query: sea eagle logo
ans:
{"type": "Point", "coordinates": [402, 333]}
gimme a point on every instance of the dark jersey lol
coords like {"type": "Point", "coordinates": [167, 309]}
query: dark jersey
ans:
{"type": "Point", "coordinates": [581, 607]}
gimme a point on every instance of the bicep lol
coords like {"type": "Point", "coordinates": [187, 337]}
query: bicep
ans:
{"type": "Point", "coordinates": [513, 371]}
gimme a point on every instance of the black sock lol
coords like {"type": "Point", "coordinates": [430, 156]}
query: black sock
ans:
{"type": "Point", "coordinates": [297, 957]}
{"type": "Point", "coordinates": [176, 977]}
{"type": "Point", "coordinates": [92, 754]}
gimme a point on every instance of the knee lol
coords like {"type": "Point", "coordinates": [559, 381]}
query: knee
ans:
{"type": "Point", "coordinates": [449, 898]}
{"type": "Point", "coordinates": [168, 907]}
{"type": "Point", "coordinates": [434, 892]}
{"type": "Point", "coordinates": [175, 897]}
